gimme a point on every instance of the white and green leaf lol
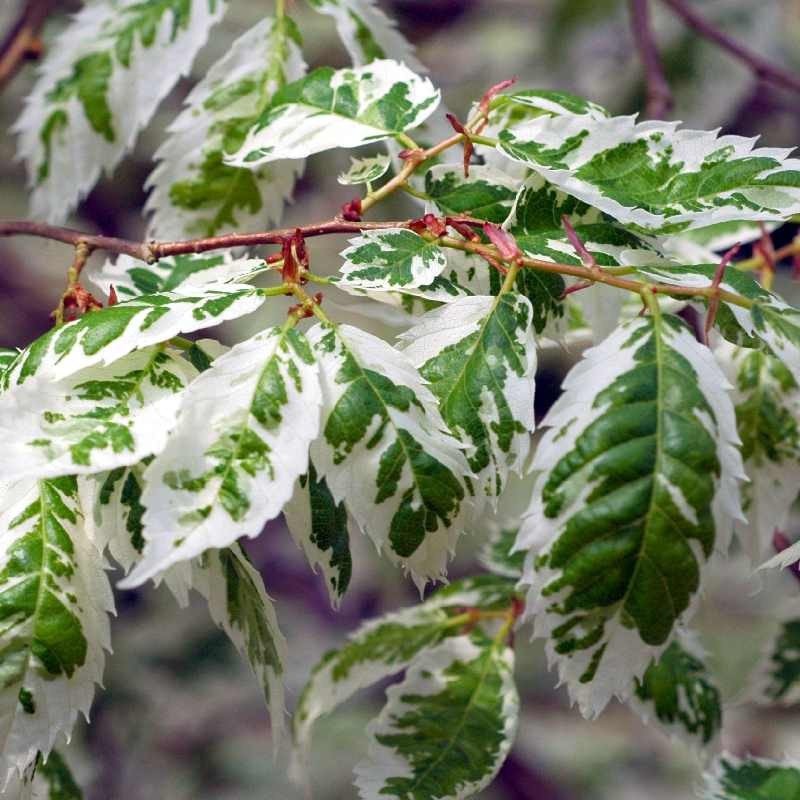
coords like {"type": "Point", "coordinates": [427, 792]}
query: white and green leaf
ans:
{"type": "Point", "coordinates": [385, 452]}
{"type": "Point", "coordinates": [194, 192]}
{"type": "Point", "coordinates": [229, 467]}
{"type": "Point", "coordinates": [498, 554]}
{"type": "Point", "coordinates": [678, 693]}
{"type": "Point", "coordinates": [131, 278]}
{"type": "Point", "coordinates": [344, 108]}
{"type": "Point", "coordinates": [103, 336]}
{"type": "Point", "coordinates": [654, 176]}
{"type": "Point", "coordinates": [752, 779]}
{"type": "Point", "coordinates": [365, 170]}
{"type": "Point", "coordinates": [778, 675]}
{"type": "Point", "coordinates": [320, 526]}
{"type": "Point", "coordinates": [637, 483]}
{"type": "Point", "coordinates": [487, 193]}
{"type": "Point", "coordinates": [97, 419]}
{"type": "Point", "coordinates": [97, 89]}
{"type": "Point", "coordinates": [478, 356]}
{"type": "Point", "coordinates": [447, 727]}
{"type": "Point", "coordinates": [54, 601]}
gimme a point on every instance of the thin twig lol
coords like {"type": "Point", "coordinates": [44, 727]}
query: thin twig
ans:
{"type": "Point", "coordinates": [762, 68]}
{"type": "Point", "coordinates": [22, 41]}
{"type": "Point", "coordinates": [659, 95]}
{"type": "Point", "coordinates": [713, 300]}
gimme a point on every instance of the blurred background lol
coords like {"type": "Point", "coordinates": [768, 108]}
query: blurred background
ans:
{"type": "Point", "coordinates": [181, 717]}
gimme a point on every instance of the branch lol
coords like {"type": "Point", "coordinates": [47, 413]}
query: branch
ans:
{"type": "Point", "coordinates": [22, 41]}
{"type": "Point", "coordinates": [659, 95]}
{"type": "Point", "coordinates": [762, 68]}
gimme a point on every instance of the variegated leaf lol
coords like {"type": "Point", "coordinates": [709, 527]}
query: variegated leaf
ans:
{"type": "Point", "coordinates": [367, 32]}
{"type": "Point", "coordinates": [678, 693]}
{"type": "Point", "coordinates": [194, 192]}
{"type": "Point", "coordinates": [549, 101]}
{"type": "Point", "coordinates": [394, 258]}
{"type": "Point", "coordinates": [479, 357]}
{"type": "Point", "coordinates": [230, 466]}
{"type": "Point", "coordinates": [752, 779]}
{"type": "Point", "coordinates": [131, 278]}
{"type": "Point", "coordinates": [767, 401]}
{"type": "Point", "coordinates": [49, 779]}
{"type": "Point", "coordinates": [655, 177]}
{"type": "Point", "coordinates": [387, 645]}
{"type": "Point", "coordinates": [498, 554]}
{"type": "Point", "coordinates": [104, 336]}
{"type": "Point", "coordinates": [97, 419]}
{"type": "Point", "coordinates": [778, 678]}
{"type": "Point", "coordinates": [447, 727]}
{"type": "Point", "coordinates": [319, 525]}
{"type": "Point", "coordinates": [365, 170]}
{"type": "Point", "coordinates": [636, 484]}
{"type": "Point", "coordinates": [344, 108]}
{"type": "Point", "coordinates": [486, 194]}
{"type": "Point", "coordinates": [98, 88]}
{"type": "Point", "coordinates": [55, 600]}
{"type": "Point", "coordinates": [239, 604]}
{"type": "Point", "coordinates": [384, 450]}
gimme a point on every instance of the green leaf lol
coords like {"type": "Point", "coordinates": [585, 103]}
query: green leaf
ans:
{"type": "Point", "coordinates": [447, 728]}
{"type": "Point", "coordinates": [395, 258]}
{"type": "Point", "coordinates": [384, 450]}
{"type": "Point", "coordinates": [344, 108]}
{"type": "Point", "coordinates": [79, 120]}
{"type": "Point", "coordinates": [767, 401]}
{"type": "Point", "coordinates": [486, 194]}
{"type": "Point", "coordinates": [365, 170]}
{"type": "Point", "coordinates": [55, 772]}
{"type": "Point", "coordinates": [54, 603]}
{"type": "Point", "coordinates": [230, 467]}
{"type": "Point", "coordinates": [779, 681]}
{"type": "Point", "coordinates": [637, 483]}
{"type": "Point", "coordinates": [97, 419]}
{"type": "Point", "coordinates": [319, 525]}
{"type": "Point", "coordinates": [132, 278]}
{"type": "Point", "coordinates": [104, 336]}
{"type": "Point", "coordinates": [478, 356]}
{"type": "Point", "coordinates": [238, 603]}
{"type": "Point", "coordinates": [654, 177]}
{"type": "Point", "coordinates": [194, 192]}
{"type": "Point", "coordinates": [678, 692]}
{"type": "Point", "coordinates": [498, 554]}
{"type": "Point", "coordinates": [752, 779]}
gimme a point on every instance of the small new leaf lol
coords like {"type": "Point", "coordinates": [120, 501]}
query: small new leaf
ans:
{"type": "Point", "coordinates": [365, 170]}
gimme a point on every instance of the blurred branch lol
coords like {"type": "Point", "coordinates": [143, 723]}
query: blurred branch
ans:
{"type": "Point", "coordinates": [22, 42]}
{"type": "Point", "coordinates": [659, 95]}
{"type": "Point", "coordinates": [762, 68]}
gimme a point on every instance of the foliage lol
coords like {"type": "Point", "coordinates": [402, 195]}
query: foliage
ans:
{"type": "Point", "coordinates": [123, 438]}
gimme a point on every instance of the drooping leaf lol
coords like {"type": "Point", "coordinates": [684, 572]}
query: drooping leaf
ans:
{"type": "Point", "coordinates": [479, 357]}
{"type": "Point", "coordinates": [98, 88]}
{"type": "Point", "coordinates": [194, 192]}
{"type": "Point", "coordinates": [395, 258]}
{"type": "Point", "coordinates": [654, 176]}
{"type": "Point", "coordinates": [97, 419]}
{"type": "Point", "coordinates": [498, 554]}
{"type": "Point", "coordinates": [678, 693]}
{"type": "Point", "coordinates": [104, 336]}
{"type": "Point", "coordinates": [752, 779]}
{"type": "Point", "coordinates": [230, 466]}
{"type": "Point", "coordinates": [367, 32]}
{"type": "Point", "coordinates": [344, 108]}
{"type": "Point", "coordinates": [365, 170]}
{"type": "Point", "coordinates": [447, 728]}
{"type": "Point", "coordinates": [320, 527]}
{"type": "Point", "coordinates": [486, 194]}
{"type": "Point", "coordinates": [132, 278]}
{"type": "Point", "coordinates": [636, 484]}
{"type": "Point", "coordinates": [54, 602]}
{"type": "Point", "coordinates": [387, 645]}
{"type": "Point", "coordinates": [239, 604]}
{"type": "Point", "coordinates": [384, 451]}
{"type": "Point", "coordinates": [767, 401]}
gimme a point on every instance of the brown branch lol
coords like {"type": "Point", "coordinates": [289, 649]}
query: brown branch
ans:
{"type": "Point", "coordinates": [762, 68]}
{"type": "Point", "coordinates": [659, 95]}
{"type": "Point", "coordinates": [22, 41]}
